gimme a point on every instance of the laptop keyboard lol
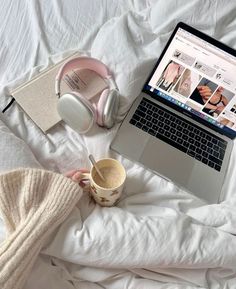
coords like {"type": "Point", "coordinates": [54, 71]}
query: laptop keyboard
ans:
{"type": "Point", "coordinates": [180, 133]}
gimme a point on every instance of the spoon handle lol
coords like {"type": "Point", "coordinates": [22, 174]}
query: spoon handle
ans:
{"type": "Point", "coordinates": [96, 167]}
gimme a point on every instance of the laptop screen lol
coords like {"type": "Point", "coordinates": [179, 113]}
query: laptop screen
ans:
{"type": "Point", "coordinates": [197, 78]}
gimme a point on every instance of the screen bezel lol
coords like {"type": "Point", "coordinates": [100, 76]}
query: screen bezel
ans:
{"type": "Point", "coordinates": [229, 133]}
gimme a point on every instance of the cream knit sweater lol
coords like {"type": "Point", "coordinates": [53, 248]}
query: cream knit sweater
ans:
{"type": "Point", "coordinates": [33, 202]}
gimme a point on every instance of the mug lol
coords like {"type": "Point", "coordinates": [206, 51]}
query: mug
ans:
{"type": "Point", "coordinates": [106, 193]}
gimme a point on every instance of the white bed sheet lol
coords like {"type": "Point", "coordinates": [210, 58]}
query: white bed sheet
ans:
{"type": "Point", "coordinates": [184, 236]}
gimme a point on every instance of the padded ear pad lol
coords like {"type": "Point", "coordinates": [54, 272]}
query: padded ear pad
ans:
{"type": "Point", "coordinates": [110, 108]}
{"type": "Point", "coordinates": [76, 111]}
{"type": "Point", "coordinates": [100, 106]}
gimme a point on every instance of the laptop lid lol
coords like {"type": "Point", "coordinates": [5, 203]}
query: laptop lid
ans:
{"type": "Point", "coordinates": [195, 75]}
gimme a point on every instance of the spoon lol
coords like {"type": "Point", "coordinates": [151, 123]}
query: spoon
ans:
{"type": "Point", "coordinates": [96, 167]}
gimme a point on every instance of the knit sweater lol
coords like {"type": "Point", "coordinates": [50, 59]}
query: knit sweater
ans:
{"type": "Point", "coordinates": [33, 202]}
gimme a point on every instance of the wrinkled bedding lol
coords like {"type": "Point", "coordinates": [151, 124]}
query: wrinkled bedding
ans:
{"type": "Point", "coordinates": [159, 235]}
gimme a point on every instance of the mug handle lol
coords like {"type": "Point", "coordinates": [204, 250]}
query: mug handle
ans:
{"type": "Point", "coordinates": [85, 177]}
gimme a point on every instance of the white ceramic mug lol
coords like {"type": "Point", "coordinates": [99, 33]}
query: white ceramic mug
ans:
{"type": "Point", "coordinates": [106, 193]}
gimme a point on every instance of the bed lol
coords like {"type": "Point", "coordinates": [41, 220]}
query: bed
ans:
{"type": "Point", "coordinates": [158, 235]}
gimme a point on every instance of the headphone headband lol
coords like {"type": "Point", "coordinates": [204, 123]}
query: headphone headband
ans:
{"type": "Point", "coordinates": [86, 63]}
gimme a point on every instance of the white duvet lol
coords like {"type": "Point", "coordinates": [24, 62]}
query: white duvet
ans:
{"type": "Point", "coordinates": [159, 236]}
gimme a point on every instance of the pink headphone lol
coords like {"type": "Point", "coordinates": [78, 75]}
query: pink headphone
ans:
{"type": "Point", "coordinates": [77, 111]}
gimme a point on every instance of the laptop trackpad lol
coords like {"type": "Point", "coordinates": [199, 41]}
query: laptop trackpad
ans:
{"type": "Point", "coordinates": [167, 161]}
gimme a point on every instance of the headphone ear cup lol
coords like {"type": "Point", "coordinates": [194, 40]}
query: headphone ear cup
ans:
{"type": "Point", "coordinates": [101, 105]}
{"type": "Point", "coordinates": [76, 111]}
{"type": "Point", "coordinates": [110, 108]}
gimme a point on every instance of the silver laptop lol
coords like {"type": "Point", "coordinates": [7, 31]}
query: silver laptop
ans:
{"type": "Point", "coordinates": [182, 124]}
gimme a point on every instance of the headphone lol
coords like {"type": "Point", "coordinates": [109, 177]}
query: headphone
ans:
{"type": "Point", "coordinates": [76, 110]}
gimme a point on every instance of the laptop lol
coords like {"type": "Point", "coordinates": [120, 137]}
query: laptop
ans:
{"type": "Point", "coordinates": [183, 123]}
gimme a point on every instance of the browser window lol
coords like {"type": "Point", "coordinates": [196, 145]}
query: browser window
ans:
{"type": "Point", "coordinates": [198, 77]}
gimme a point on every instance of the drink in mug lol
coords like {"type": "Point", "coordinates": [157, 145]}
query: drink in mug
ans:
{"type": "Point", "coordinates": [106, 192]}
